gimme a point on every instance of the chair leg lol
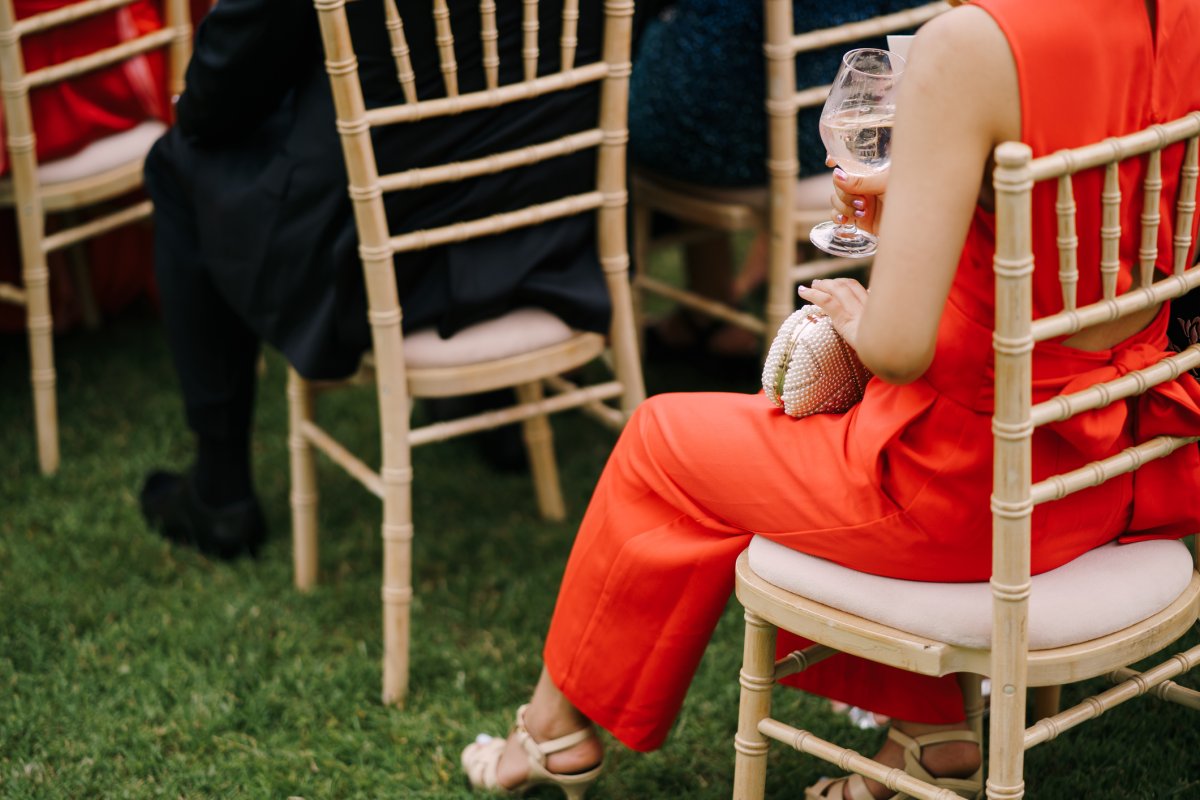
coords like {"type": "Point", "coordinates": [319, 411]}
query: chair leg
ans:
{"type": "Point", "coordinates": [303, 496]}
{"type": "Point", "coordinates": [40, 326]}
{"type": "Point", "coordinates": [972, 692]}
{"type": "Point", "coordinates": [397, 579]}
{"type": "Point", "coordinates": [81, 276]}
{"type": "Point", "coordinates": [642, 217]}
{"type": "Point", "coordinates": [1046, 701]}
{"type": "Point", "coordinates": [757, 679]}
{"type": "Point", "coordinates": [539, 444]}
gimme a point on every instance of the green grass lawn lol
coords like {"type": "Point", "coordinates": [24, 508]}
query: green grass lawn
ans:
{"type": "Point", "coordinates": [131, 668]}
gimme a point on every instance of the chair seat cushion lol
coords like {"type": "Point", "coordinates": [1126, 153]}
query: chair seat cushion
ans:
{"type": "Point", "coordinates": [525, 330]}
{"type": "Point", "coordinates": [1102, 591]}
{"type": "Point", "coordinates": [103, 154]}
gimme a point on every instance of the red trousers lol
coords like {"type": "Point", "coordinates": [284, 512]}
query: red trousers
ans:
{"type": "Point", "coordinates": [652, 567]}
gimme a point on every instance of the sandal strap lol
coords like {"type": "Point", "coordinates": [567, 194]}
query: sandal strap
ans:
{"type": "Point", "coordinates": [913, 746]}
{"type": "Point", "coordinates": [539, 750]}
{"type": "Point", "coordinates": [919, 743]}
{"type": "Point", "coordinates": [855, 788]}
{"type": "Point", "coordinates": [482, 761]}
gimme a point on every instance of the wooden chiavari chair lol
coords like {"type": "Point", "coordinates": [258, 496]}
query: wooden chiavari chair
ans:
{"type": "Point", "coordinates": [787, 207]}
{"type": "Point", "coordinates": [421, 364]}
{"type": "Point", "coordinates": [1062, 626]}
{"type": "Point", "coordinates": [104, 171]}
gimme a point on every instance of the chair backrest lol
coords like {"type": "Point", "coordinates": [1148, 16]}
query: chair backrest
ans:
{"type": "Point", "coordinates": [175, 36]}
{"type": "Point", "coordinates": [377, 245]}
{"type": "Point", "coordinates": [1016, 415]}
{"type": "Point", "coordinates": [782, 46]}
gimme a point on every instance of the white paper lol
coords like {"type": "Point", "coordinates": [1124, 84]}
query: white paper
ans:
{"type": "Point", "coordinates": [899, 45]}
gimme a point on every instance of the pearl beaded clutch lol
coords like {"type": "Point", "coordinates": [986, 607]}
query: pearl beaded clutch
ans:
{"type": "Point", "coordinates": [810, 369]}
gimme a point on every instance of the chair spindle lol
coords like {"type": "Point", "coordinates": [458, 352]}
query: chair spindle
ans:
{"type": "Point", "coordinates": [529, 50]}
{"type": "Point", "coordinates": [570, 28]}
{"type": "Point", "coordinates": [489, 36]}
{"type": "Point", "coordinates": [1151, 217]}
{"type": "Point", "coordinates": [445, 43]}
{"type": "Point", "coordinates": [1185, 207]}
{"type": "Point", "coordinates": [1068, 242]}
{"type": "Point", "coordinates": [1110, 229]}
{"type": "Point", "coordinates": [400, 52]}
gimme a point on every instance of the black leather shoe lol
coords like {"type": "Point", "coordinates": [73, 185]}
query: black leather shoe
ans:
{"type": "Point", "coordinates": [171, 506]}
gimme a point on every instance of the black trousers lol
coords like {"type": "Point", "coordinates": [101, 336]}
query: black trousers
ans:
{"type": "Point", "coordinates": [214, 351]}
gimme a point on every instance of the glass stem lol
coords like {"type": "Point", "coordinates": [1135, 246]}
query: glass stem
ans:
{"type": "Point", "coordinates": [847, 230]}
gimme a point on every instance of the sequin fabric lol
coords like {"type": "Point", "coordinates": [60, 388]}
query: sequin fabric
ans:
{"type": "Point", "coordinates": [697, 90]}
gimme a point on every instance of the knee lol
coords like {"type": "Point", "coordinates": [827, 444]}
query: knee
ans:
{"type": "Point", "coordinates": [657, 414]}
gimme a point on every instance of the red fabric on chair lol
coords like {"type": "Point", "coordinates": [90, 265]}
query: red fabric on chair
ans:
{"type": "Point", "coordinates": [68, 116]}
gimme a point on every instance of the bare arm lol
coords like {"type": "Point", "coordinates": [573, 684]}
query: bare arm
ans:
{"type": "Point", "coordinates": [959, 99]}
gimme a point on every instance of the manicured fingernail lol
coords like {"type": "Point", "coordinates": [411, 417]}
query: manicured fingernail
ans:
{"type": "Point", "coordinates": [860, 213]}
{"type": "Point", "coordinates": [859, 204]}
{"type": "Point", "coordinates": [841, 218]}
{"type": "Point", "coordinates": [838, 172]}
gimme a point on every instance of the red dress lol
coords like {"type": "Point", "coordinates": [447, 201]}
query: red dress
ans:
{"type": "Point", "coordinates": [899, 485]}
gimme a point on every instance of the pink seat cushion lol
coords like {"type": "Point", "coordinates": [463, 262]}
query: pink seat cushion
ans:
{"type": "Point", "coordinates": [1101, 592]}
{"type": "Point", "coordinates": [522, 331]}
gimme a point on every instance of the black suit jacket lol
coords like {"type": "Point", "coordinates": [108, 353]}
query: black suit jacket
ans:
{"type": "Point", "coordinates": [256, 157]}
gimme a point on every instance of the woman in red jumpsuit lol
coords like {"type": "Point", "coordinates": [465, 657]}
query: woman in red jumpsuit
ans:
{"type": "Point", "coordinates": [899, 485]}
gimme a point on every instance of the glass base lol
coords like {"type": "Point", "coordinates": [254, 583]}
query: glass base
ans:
{"type": "Point", "coordinates": [833, 239]}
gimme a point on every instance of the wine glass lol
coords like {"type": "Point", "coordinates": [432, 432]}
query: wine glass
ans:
{"type": "Point", "coordinates": [856, 127]}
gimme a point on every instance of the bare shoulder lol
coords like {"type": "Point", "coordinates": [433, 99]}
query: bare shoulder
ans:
{"type": "Point", "coordinates": [963, 29]}
{"type": "Point", "coordinates": [964, 56]}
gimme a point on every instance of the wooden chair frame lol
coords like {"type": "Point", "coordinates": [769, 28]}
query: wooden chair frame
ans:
{"type": "Point", "coordinates": [33, 200]}
{"type": "Point", "coordinates": [779, 216]}
{"type": "Point", "coordinates": [1010, 663]}
{"type": "Point", "coordinates": [531, 374]}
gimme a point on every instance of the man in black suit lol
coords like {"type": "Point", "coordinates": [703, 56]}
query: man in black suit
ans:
{"type": "Point", "coordinates": [255, 237]}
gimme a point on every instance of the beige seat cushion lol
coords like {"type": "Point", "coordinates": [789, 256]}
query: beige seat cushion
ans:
{"type": "Point", "coordinates": [522, 331]}
{"type": "Point", "coordinates": [103, 155]}
{"type": "Point", "coordinates": [1102, 591]}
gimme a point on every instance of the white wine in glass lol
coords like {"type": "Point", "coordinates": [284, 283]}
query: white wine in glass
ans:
{"type": "Point", "coordinates": [856, 127]}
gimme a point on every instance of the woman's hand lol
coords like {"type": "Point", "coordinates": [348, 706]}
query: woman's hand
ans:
{"type": "Point", "coordinates": [857, 197]}
{"type": "Point", "coordinates": [843, 299]}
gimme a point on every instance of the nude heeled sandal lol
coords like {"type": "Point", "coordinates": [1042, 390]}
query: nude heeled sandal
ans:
{"type": "Point", "coordinates": [856, 785]}
{"type": "Point", "coordinates": [481, 759]}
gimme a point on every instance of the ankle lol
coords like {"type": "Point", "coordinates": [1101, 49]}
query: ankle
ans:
{"type": "Point", "coordinates": [544, 723]}
{"type": "Point", "coordinates": [953, 759]}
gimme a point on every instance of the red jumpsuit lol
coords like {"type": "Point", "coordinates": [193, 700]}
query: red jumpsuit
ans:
{"type": "Point", "coordinates": [899, 485]}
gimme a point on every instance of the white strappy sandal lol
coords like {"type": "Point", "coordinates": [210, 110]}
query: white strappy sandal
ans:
{"type": "Point", "coordinates": [856, 785]}
{"type": "Point", "coordinates": [481, 759]}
